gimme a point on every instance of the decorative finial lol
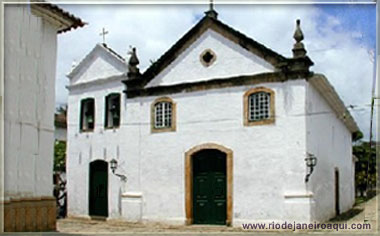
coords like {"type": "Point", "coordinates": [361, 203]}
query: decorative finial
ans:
{"type": "Point", "coordinates": [133, 70]}
{"type": "Point", "coordinates": [211, 12]}
{"type": "Point", "coordinates": [298, 35]}
{"type": "Point", "coordinates": [103, 33]}
{"type": "Point", "coordinates": [299, 65]}
{"type": "Point", "coordinates": [133, 60]}
{"type": "Point", "coordinates": [298, 48]}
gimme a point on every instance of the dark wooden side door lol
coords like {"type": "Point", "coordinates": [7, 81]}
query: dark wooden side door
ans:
{"type": "Point", "coordinates": [209, 187]}
{"type": "Point", "coordinates": [98, 202]}
{"type": "Point", "coordinates": [337, 209]}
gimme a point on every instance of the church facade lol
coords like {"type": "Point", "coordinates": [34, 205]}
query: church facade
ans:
{"type": "Point", "coordinates": [219, 130]}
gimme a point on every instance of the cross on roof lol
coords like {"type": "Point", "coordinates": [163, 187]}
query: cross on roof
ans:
{"type": "Point", "coordinates": [103, 33]}
{"type": "Point", "coordinates": [211, 12]}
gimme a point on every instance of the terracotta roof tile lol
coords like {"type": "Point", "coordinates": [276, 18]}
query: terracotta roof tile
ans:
{"type": "Point", "coordinates": [75, 21]}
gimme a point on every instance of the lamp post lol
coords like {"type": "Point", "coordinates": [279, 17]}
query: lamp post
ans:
{"type": "Point", "coordinates": [113, 167]}
{"type": "Point", "coordinates": [311, 162]}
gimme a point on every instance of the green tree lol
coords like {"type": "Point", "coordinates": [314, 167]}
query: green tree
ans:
{"type": "Point", "coordinates": [60, 146]}
{"type": "Point", "coordinates": [60, 156]}
{"type": "Point", "coordinates": [366, 163]}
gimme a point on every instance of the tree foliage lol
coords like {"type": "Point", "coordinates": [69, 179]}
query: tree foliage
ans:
{"type": "Point", "coordinates": [356, 136]}
{"type": "Point", "coordinates": [60, 156]}
{"type": "Point", "coordinates": [366, 163]}
{"type": "Point", "coordinates": [60, 146]}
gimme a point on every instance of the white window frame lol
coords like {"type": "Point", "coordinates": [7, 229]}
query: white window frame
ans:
{"type": "Point", "coordinates": [164, 119]}
{"type": "Point", "coordinates": [163, 115]}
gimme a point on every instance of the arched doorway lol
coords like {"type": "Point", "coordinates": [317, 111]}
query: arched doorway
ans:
{"type": "Point", "coordinates": [98, 190]}
{"type": "Point", "coordinates": [208, 183]}
{"type": "Point", "coordinates": [337, 209]}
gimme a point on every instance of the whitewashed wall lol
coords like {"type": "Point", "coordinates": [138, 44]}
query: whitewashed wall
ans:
{"type": "Point", "coordinates": [262, 155]}
{"type": "Point", "coordinates": [154, 163]}
{"type": "Point", "coordinates": [90, 80]}
{"type": "Point", "coordinates": [330, 141]}
{"type": "Point", "coordinates": [187, 67]}
{"type": "Point", "coordinates": [30, 63]}
{"type": "Point", "coordinates": [83, 148]}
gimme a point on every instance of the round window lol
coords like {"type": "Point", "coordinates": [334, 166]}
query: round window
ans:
{"type": "Point", "coordinates": [207, 57]}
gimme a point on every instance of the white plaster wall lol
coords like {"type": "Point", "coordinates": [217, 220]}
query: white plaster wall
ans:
{"type": "Point", "coordinates": [30, 64]}
{"type": "Point", "coordinates": [268, 160]}
{"type": "Point", "coordinates": [83, 148]}
{"type": "Point", "coordinates": [231, 60]}
{"type": "Point", "coordinates": [330, 141]}
{"type": "Point", "coordinates": [98, 64]}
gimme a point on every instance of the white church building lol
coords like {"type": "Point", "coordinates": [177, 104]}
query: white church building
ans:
{"type": "Point", "coordinates": [219, 130]}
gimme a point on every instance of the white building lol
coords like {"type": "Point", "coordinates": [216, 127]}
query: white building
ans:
{"type": "Point", "coordinates": [215, 132]}
{"type": "Point", "coordinates": [30, 36]}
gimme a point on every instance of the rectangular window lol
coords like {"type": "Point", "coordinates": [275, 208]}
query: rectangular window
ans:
{"type": "Point", "coordinates": [112, 111]}
{"type": "Point", "coordinates": [163, 115]}
{"type": "Point", "coordinates": [87, 114]}
{"type": "Point", "coordinates": [259, 106]}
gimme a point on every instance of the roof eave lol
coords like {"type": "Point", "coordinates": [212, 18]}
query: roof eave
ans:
{"type": "Point", "coordinates": [98, 81]}
{"type": "Point", "coordinates": [323, 86]}
{"type": "Point", "coordinates": [57, 16]}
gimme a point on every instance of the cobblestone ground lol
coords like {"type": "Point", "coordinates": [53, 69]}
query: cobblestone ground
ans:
{"type": "Point", "coordinates": [364, 213]}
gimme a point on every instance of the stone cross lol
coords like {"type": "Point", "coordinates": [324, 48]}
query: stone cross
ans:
{"type": "Point", "coordinates": [103, 33]}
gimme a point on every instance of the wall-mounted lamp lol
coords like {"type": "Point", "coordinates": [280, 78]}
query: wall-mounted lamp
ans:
{"type": "Point", "coordinates": [113, 167]}
{"type": "Point", "coordinates": [311, 162]}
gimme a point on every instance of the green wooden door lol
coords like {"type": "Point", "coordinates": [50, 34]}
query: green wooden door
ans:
{"type": "Point", "coordinates": [98, 202]}
{"type": "Point", "coordinates": [209, 187]}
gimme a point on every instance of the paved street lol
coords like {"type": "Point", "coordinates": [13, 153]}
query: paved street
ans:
{"type": "Point", "coordinates": [365, 211]}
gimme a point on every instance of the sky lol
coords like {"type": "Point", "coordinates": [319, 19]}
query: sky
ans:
{"type": "Point", "coordinates": [339, 39]}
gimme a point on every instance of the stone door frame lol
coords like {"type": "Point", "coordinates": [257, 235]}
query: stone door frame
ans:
{"type": "Point", "coordinates": [189, 179]}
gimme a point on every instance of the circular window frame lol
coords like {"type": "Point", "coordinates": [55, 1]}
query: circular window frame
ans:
{"type": "Point", "coordinates": [205, 63]}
